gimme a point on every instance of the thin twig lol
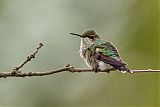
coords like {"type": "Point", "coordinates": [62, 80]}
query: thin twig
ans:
{"type": "Point", "coordinates": [63, 69]}
{"type": "Point", "coordinates": [145, 70]}
{"type": "Point", "coordinates": [29, 58]}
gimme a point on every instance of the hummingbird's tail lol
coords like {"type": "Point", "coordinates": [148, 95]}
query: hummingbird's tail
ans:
{"type": "Point", "coordinates": [124, 69]}
{"type": "Point", "coordinates": [118, 64]}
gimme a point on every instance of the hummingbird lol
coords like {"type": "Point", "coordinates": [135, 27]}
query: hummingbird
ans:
{"type": "Point", "coordinates": [99, 54]}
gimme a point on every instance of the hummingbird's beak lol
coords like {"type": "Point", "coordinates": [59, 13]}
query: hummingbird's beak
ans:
{"type": "Point", "coordinates": [76, 35]}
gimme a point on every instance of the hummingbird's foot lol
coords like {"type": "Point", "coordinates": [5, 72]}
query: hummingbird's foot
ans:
{"type": "Point", "coordinates": [96, 70]}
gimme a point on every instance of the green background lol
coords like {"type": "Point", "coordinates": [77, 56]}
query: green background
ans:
{"type": "Point", "coordinates": [132, 25]}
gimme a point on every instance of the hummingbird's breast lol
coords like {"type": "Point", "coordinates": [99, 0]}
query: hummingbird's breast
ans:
{"type": "Point", "coordinates": [87, 55]}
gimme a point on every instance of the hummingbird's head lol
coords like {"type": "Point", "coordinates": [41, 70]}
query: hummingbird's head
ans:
{"type": "Point", "coordinates": [88, 37]}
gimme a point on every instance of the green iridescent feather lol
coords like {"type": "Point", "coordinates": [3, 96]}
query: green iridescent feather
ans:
{"type": "Point", "coordinates": [106, 48]}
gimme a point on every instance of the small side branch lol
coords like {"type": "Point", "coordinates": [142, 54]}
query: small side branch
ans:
{"type": "Point", "coordinates": [29, 58]}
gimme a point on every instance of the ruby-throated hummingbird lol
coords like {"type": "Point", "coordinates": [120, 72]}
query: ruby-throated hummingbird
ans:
{"type": "Point", "coordinates": [99, 54]}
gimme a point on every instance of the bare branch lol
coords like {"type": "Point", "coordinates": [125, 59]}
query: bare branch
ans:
{"type": "Point", "coordinates": [145, 70]}
{"type": "Point", "coordinates": [29, 58]}
{"type": "Point", "coordinates": [63, 69]}
{"type": "Point", "coordinates": [17, 73]}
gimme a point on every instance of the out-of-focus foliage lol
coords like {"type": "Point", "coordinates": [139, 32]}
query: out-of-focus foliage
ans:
{"type": "Point", "coordinates": [132, 25]}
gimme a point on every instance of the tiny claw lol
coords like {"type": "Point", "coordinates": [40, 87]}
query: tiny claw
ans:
{"type": "Point", "coordinates": [96, 70]}
{"type": "Point", "coordinates": [108, 71]}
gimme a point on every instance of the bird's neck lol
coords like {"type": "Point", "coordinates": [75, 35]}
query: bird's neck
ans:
{"type": "Point", "coordinates": [85, 44]}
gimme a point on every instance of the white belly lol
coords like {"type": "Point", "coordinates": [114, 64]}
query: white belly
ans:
{"type": "Point", "coordinates": [104, 66]}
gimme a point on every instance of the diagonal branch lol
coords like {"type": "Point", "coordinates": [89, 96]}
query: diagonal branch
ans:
{"type": "Point", "coordinates": [29, 58]}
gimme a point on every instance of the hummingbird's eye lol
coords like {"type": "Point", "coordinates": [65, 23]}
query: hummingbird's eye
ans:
{"type": "Point", "coordinates": [91, 37]}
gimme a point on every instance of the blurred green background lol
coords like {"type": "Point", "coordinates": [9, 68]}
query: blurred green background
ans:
{"type": "Point", "coordinates": [132, 25]}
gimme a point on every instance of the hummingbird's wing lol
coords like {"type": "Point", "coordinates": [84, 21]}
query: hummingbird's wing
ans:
{"type": "Point", "coordinates": [108, 53]}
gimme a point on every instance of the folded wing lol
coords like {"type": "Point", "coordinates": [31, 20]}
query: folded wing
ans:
{"type": "Point", "coordinates": [108, 53]}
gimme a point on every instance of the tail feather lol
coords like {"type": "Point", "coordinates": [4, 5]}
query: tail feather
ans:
{"type": "Point", "coordinates": [123, 69]}
{"type": "Point", "coordinates": [118, 64]}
